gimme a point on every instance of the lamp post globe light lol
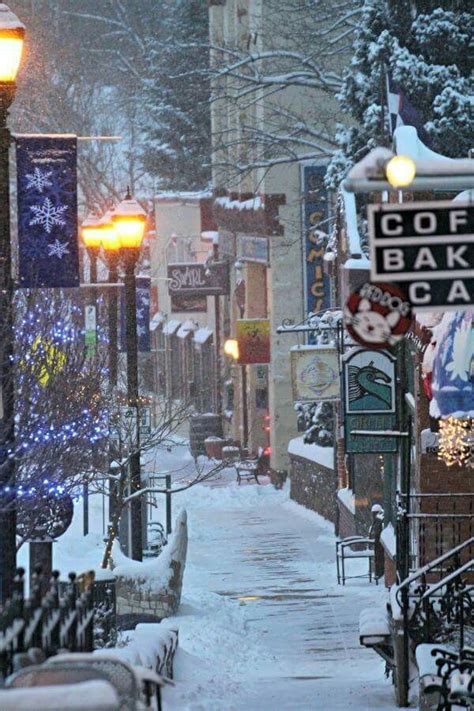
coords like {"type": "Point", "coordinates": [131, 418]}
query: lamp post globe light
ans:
{"type": "Point", "coordinates": [123, 235]}
{"type": "Point", "coordinates": [12, 33]}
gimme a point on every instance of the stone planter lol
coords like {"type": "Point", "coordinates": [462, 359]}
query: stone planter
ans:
{"type": "Point", "coordinates": [213, 447]}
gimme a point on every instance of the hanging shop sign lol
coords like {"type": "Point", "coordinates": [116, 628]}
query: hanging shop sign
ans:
{"type": "Point", "coordinates": [427, 247]}
{"type": "Point", "coordinates": [314, 373]}
{"type": "Point", "coordinates": [253, 249]}
{"type": "Point", "coordinates": [253, 336]}
{"type": "Point", "coordinates": [369, 380]}
{"type": "Point", "coordinates": [48, 252]}
{"type": "Point", "coordinates": [377, 315]}
{"type": "Point", "coordinates": [198, 279]}
{"type": "Point", "coordinates": [316, 214]}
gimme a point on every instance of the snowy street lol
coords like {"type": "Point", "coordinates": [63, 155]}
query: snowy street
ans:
{"type": "Point", "coordinates": [263, 624]}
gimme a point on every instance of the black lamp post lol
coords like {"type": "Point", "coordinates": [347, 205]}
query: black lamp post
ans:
{"type": "Point", "coordinates": [128, 220]}
{"type": "Point", "coordinates": [12, 34]}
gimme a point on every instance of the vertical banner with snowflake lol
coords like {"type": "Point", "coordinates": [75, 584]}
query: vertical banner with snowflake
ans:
{"type": "Point", "coordinates": [143, 315]}
{"type": "Point", "coordinates": [47, 211]}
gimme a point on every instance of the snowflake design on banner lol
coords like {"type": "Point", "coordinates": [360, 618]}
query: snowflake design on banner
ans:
{"type": "Point", "coordinates": [140, 314]}
{"type": "Point", "coordinates": [47, 215]}
{"type": "Point", "coordinates": [38, 180]}
{"type": "Point", "coordinates": [58, 249]}
{"type": "Point", "coordinates": [141, 330]}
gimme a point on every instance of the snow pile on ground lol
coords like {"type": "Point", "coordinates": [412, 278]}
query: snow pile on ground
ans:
{"type": "Point", "coordinates": [155, 572]}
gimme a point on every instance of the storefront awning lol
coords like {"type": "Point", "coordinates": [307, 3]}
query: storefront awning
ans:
{"type": "Point", "coordinates": [171, 327]}
{"type": "Point", "coordinates": [202, 335]}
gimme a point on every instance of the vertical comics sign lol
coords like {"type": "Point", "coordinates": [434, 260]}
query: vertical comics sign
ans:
{"type": "Point", "coordinates": [47, 211]}
{"type": "Point", "coordinates": [316, 215]}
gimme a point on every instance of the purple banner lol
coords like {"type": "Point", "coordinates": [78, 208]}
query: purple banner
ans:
{"type": "Point", "coordinates": [143, 315]}
{"type": "Point", "coordinates": [47, 211]}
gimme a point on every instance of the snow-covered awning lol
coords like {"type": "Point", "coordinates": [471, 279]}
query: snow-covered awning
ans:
{"type": "Point", "coordinates": [156, 321]}
{"type": "Point", "coordinates": [171, 327]}
{"type": "Point", "coordinates": [186, 328]}
{"type": "Point", "coordinates": [202, 335]}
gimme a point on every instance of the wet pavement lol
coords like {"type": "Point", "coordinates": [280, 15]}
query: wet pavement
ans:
{"type": "Point", "coordinates": [276, 562]}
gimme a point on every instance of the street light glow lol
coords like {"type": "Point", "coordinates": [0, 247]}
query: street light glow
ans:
{"type": "Point", "coordinates": [400, 171]}
{"type": "Point", "coordinates": [12, 34]}
{"type": "Point", "coordinates": [91, 232]}
{"type": "Point", "coordinates": [129, 221]}
{"type": "Point", "coordinates": [108, 234]}
{"type": "Point", "coordinates": [231, 348]}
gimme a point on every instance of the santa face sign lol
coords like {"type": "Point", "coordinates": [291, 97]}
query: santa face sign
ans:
{"type": "Point", "coordinates": [377, 315]}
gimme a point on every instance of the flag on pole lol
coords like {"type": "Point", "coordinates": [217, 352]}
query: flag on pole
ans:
{"type": "Point", "coordinates": [401, 111]}
{"type": "Point", "coordinates": [143, 315]}
{"type": "Point", "coordinates": [47, 211]}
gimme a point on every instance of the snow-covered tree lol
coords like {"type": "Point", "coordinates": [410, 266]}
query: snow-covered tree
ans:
{"type": "Point", "coordinates": [177, 130]}
{"type": "Point", "coordinates": [424, 46]}
{"type": "Point", "coordinates": [317, 420]}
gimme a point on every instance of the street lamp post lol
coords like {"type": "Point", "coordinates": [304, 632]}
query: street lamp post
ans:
{"type": "Point", "coordinates": [92, 240]}
{"type": "Point", "coordinates": [12, 34]}
{"type": "Point", "coordinates": [231, 349]}
{"type": "Point", "coordinates": [129, 221]}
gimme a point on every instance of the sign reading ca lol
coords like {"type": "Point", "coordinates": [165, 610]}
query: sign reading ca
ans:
{"type": "Point", "coordinates": [427, 246]}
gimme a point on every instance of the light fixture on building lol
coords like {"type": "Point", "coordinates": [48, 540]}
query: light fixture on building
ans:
{"type": "Point", "coordinates": [456, 442]}
{"type": "Point", "coordinates": [400, 171]}
{"type": "Point", "coordinates": [231, 348]}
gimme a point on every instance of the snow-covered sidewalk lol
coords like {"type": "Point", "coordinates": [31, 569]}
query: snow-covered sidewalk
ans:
{"type": "Point", "coordinates": [263, 624]}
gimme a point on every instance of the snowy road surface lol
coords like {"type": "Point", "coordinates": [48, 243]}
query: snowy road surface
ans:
{"type": "Point", "coordinates": [263, 625]}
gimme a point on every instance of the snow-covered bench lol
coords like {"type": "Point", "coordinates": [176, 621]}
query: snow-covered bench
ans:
{"type": "Point", "coordinates": [444, 675]}
{"type": "Point", "coordinates": [374, 627]}
{"type": "Point", "coordinates": [95, 695]}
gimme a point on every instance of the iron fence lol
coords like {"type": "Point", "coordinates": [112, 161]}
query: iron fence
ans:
{"type": "Point", "coordinates": [55, 616]}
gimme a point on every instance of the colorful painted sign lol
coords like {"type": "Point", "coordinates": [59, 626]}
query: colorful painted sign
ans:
{"type": "Point", "coordinates": [316, 214]}
{"type": "Point", "coordinates": [47, 211]}
{"type": "Point", "coordinates": [253, 336]}
{"type": "Point", "coordinates": [369, 380]}
{"type": "Point", "coordinates": [198, 279]}
{"type": "Point", "coordinates": [377, 315]}
{"type": "Point", "coordinates": [314, 373]}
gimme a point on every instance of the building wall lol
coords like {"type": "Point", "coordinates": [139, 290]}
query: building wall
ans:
{"type": "Point", "coordinates": [256, 24]}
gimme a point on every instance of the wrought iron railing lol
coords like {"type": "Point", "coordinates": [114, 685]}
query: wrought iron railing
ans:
{"type": "Point", "coordinates": [55, 616]}
{"type": "Point", "coordinates": [437, 523]}
{"type": "Point", "coordinates": [437, 601]}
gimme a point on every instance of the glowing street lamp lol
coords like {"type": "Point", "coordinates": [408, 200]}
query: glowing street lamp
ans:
{"type": "Point", "coordinates": [124, 235]}
{"type": "Point", "coordinates": [12, 33]}
{"type": "Point", "coordinates": [129, 221]}
{"type": "Point", "coordinates": [12, 36]}
{"type": "Point", "coordinates": [231, 348]}
{"type": "Point", "coordinates": [400, 171]}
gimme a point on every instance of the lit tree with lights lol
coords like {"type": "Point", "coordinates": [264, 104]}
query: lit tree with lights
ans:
{"type": "Point", "coordinates": [61, 422]}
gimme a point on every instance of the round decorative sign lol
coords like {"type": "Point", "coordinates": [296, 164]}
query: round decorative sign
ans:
{"type": "Point", "coordinates": [43, 515]}
{"type": "Point", "coordinates": [377, 315]}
